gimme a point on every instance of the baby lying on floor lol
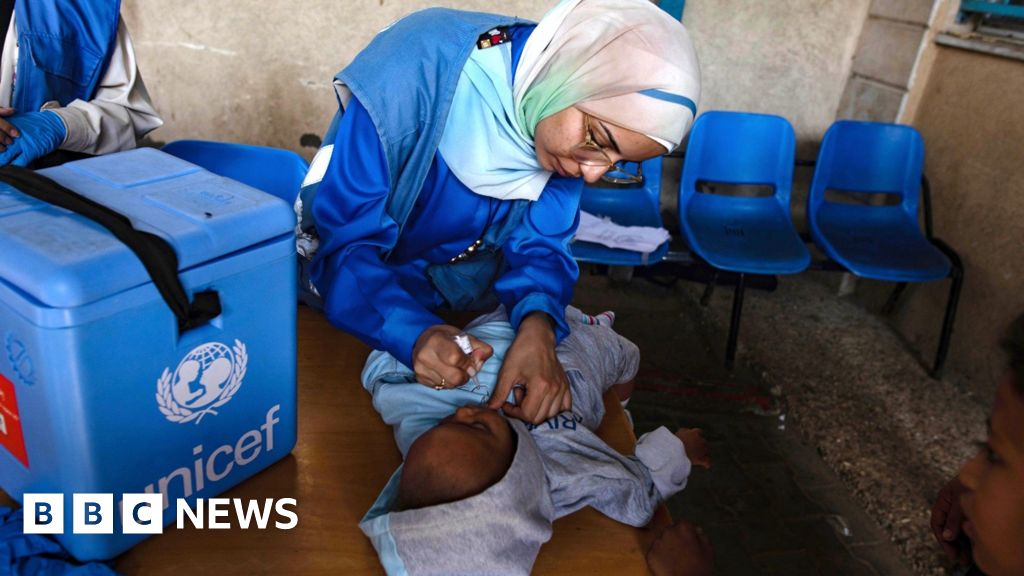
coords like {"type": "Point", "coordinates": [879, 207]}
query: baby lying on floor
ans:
{"type": "Point", "coordinates": [477, 492]}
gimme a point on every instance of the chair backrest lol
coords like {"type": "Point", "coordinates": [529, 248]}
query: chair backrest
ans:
{"type": "Point", "coordinates": [868, 157]}
{"type": "Point", "coordinates": [738, 148]}
{"type": "Point", "coordinates": [272, 170]}
{"type": "Point", "coordinates": [628, 204]}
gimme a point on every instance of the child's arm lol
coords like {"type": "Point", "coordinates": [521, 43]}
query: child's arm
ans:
{"type": "Point", "coordinates": [696, 447]}
{"type": "Point", "coordinates": [668, 460]}
{"type": "Point", "coordinates": [584, 471]}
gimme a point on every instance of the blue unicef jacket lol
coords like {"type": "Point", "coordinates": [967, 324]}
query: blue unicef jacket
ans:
{"type": "Point", "coordinates": [378, 253]}
{"type": "Point", "coordinates": [64, 48]}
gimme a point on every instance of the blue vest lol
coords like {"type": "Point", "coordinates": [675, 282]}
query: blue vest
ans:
{"type": "Point", "coordinates": [64, 47]}
{"type": "Point", "coordinates": [406, 78]}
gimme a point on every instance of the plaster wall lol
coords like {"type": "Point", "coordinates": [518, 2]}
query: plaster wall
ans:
{"type": "Point", "coordinates": [973, 126]}
{"type": "Point", "coordinates": [259, 71]}
{"type": "Point", "coordinates": [786, 57]}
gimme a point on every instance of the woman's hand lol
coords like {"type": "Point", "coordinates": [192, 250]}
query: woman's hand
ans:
{"type": "Point", "coordinates": [438, 360]}
{"type": "Point", "coordinates": [7, 130]}
{"type": "Point", "coordinates": [531, 362]}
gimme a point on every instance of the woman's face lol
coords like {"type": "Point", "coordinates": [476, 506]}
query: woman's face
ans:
{"type": "Point", "coordinates": [558, 134]}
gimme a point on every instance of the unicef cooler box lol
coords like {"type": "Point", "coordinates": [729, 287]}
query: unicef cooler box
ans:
{"type": "Point", "coordinates": [103, 388]}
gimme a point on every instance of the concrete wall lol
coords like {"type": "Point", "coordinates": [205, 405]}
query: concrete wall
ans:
{"type": "Point", "coordinates": [259, 71]}
{"type": "Point", "coordinates": [972, 121]}
{"type": "Point", "coordinates": [785, 57]}
{"type": "Point", "coordinates": [886, 59]}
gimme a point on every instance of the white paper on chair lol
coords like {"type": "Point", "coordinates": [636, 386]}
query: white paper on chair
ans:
{"type": "Point", "coordinates": [643, 239]}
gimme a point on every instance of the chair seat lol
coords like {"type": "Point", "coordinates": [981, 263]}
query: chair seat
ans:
{"type": "Point", "coordinates": [879, 242]}
{"type": "Point", "coordinates": [600, 254]}
{"type": "Point", "coordinates": [753, 236]}
{"type": "Point", "coordinates": [625, 205]}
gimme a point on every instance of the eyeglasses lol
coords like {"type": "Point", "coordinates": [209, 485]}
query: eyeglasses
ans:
{"type": "Point", "coordinates": [589, 153]}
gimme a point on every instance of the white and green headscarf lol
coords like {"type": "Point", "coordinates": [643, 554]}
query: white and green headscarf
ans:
{"type": "Point", "coordinates": [626, 62]}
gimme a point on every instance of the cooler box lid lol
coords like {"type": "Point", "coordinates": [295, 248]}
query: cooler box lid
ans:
{"type": "Point", "coordinates": [64, 260]}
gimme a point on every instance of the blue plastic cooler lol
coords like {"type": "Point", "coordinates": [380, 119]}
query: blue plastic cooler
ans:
{"type": "Point", "coordinates": [99, 391]}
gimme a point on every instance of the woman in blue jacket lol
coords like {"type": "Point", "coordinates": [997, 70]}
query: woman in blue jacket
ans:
{"type": "Point", "coordinates": [452, 174]}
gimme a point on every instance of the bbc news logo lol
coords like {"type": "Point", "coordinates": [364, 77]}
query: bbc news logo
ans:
{"type": "Point", "coordinates": [143, 513]}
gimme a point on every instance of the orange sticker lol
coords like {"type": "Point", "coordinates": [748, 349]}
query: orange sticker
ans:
{"type": "Point", "coordinates": [11, 436]}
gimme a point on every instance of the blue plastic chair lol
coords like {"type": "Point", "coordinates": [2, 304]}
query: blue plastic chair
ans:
{"type": "Point", "coordinates": [880, 242]}
{"type": "Point", "coordinates": [272, 170]}
{"type": "Point", "coordinates": [627, 205]}
{"type": "Point", "coordinates": [740, 234]}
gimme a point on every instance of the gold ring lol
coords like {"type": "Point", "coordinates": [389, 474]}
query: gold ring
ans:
{"type": "Point", "coordinates": [441, 385]}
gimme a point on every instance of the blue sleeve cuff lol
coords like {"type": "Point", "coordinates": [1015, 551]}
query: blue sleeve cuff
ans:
{"type": "Point", "coordinates": [402, 328]}
{"type": "Point", "coordinates": [538, 301]}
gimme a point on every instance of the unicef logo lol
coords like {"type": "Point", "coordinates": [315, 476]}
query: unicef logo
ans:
{"type": "Point", "coordinates": [205, 379]}
{"type": "Point", "coordinates": [17, 354]}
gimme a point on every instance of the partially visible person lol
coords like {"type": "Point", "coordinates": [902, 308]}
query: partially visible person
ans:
{"type": "Point", "coordinates": [681, 549]}
{"type": "Point", "coordinates": [69, 82]}
{"type": "Point", "coordinates": [495, 484]}
{"type": "Point", "coordinates": [979, 515]}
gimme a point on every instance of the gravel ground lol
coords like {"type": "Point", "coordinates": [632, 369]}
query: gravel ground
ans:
{"type": "Point", "coordinates": [861, 397]}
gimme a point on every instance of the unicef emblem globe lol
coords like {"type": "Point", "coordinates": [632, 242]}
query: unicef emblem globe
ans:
{"type": "Point", "coordinates": [202, 375]}
{"type": "Point", "coordinates": [205, 379]}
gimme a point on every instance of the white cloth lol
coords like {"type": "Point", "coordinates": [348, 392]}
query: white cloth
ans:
{"type": "Point", "coordinates": [118, 115]}
{"type": "Point", "coordinates": [644, 239]}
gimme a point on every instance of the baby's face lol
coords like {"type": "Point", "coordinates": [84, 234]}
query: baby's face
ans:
{"type": "Point", "coordinates": [481, 434]}
{"type": "Point", "coordinates": [994, 503]}
{"type": "Point", "coordinates": [463, 455]}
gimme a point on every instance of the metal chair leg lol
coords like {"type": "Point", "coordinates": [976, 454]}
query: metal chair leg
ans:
{"type": "Point", "coordinates": [734, 324]}
{"type": "Point", "coordinates": [894, 297]}
{"type": "Point", "coordinates": [709, 289]}
{"type": "Point", "coordinates": [957, 277]}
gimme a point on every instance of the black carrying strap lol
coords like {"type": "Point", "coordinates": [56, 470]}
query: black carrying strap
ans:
{"type": "Point", "coordinates": [155, 253]}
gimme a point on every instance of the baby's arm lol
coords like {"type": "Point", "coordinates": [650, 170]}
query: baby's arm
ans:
{"type": "Point", "coordinates": [670, 457]}
{"type": "Point", "coordinates": [584, 471]}
{"type": "Point", "coordinates": [696, 447]}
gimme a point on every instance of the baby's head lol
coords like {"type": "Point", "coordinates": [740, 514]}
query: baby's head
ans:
{"type": "Point", "coordinates": [462, 456]}
{"type": "Point", "coordinates": [472, 476]}
{"type": "Point", "coordinates": [994, 501]}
